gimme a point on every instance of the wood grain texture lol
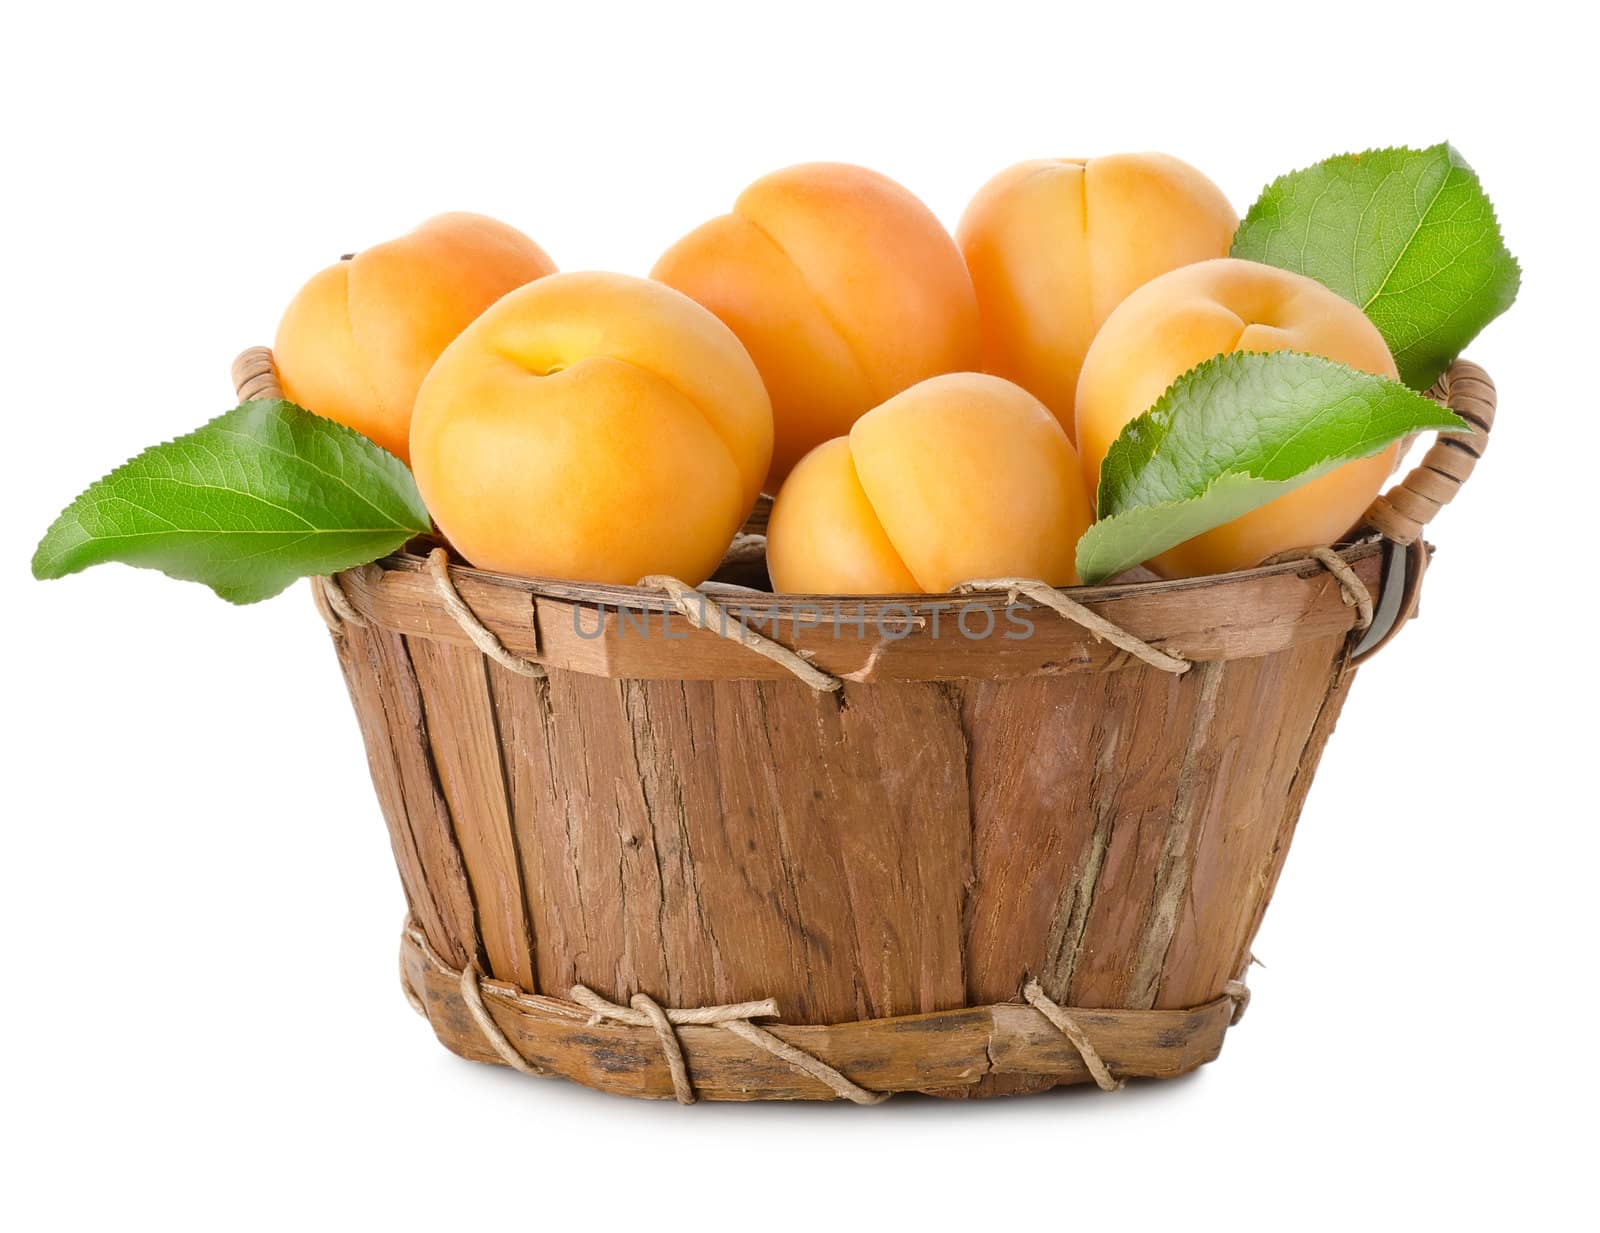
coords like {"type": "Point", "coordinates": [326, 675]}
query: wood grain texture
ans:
{"type": "Point", "coordinates": [1239, 847]}
{"type": "Point", "coordinates": [463, 730]}
{"type": "Point", "coordinates": [686, 838]}
{"type": "Point", "coordinates": [388, 704]}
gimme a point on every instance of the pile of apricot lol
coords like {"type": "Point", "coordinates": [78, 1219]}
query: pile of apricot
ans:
{"type": "Point", "coordinates": [926, 408]}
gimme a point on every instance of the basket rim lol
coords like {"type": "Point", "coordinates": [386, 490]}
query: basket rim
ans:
{"type": "Point", "coordinates": [532, 624]}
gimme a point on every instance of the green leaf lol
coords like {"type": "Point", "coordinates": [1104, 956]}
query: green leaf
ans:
{"type": "Point", "coordinates": [1232, 434]}
{"type": "Point", "coordinates": [1406, 234]}
{"type": "Point", "coordinates": [253, 500]}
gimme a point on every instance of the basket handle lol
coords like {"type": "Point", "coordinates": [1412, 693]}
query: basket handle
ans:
{"type": "Point", "coordinates": [254, 376]}
{"type": "Point", "coordinates": [1401, 513]}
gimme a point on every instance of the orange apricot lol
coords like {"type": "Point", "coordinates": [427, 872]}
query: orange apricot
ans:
{"type": "Point", "coordinates": [592, 426]}
{"type": "Point", "coordinates": [961, 476]}
{"type": "Point", "coordinates": [844, 288]}
{"type": "Point", "coordinates": [1054, 245]}
{"type": "Point", "coordinates": [357, 340]}
{"type": "Point", "coordinates": [1192, 314]}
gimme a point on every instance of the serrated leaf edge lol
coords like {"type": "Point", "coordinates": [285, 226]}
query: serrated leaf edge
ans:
{"type": "Point", "coordinates": [1455, 158]}
{"type": "Point", "coordinates": [46, 570]}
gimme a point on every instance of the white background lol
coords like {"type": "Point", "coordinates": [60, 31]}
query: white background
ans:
{"type": "Point", "coordinates": [201, 1025]}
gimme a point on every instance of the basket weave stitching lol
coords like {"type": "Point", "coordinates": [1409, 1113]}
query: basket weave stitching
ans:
{"type": "Point", "coordinates": [1064, 1023]}
{"type": "Point", "coordinates": [482, 637]}
{"type": "Point", "coordinates": [1240, 993]}
{"type": "Point", "coordinates": [703, 613]}
{"type": "Point", "coordinates": [333, 603]}
{"type": "Point", "coordinates": [735, 1019]}
{"type": "Point", "coordinates": [472, 995]}
{"type": "Point", "coordinates": [1070, 609]}
{"type": "Point", "coordinates": [1352, 590]}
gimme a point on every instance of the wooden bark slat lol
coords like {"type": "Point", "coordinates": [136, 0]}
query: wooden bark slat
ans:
{"type": "Point", "coordinates": [1240, 849]}
{"type": "Point", "coordinates": [1200, 776]}
{"type": "Point", "coordinates": [538, 802]}
{"type": "Point", "coordinates": [464, 739]}
{"type": "Point", "coordinates": [941, 1051]}
{"type": "Point", "coordinates": [1306, 766]}
{"type": "Point", "coordinates": [876, 835]}
{"type": "Point", "coordinates": [381, 765]}
{"type": "Point", "coordinates": [1254, 613]}
{"type": "Point", "coordinates": [388, 706]}
{"type": "Point", "coordinates": [1077, 783]}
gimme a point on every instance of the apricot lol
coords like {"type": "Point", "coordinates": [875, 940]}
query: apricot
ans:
{"type": "Point", "coordinates": [1192, 314]}
{"type": "Point", "coordinates": [844, 288]}
{"type": "Point", "coordinates": [1054, 245]}
{"type": "Point", "coordinates": [592, 426]}
{"type": "Point", "coordinates": [961, 476]}
{"type": "Point", "coordinates": [357, 340]}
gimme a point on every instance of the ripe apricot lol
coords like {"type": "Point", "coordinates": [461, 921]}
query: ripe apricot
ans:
{"type": "Point", "coordinates": [961, 476]}
{"type": "Point", "coordinates": [842, 285]}
{"type": "Point", "coordinates": [592, 426]}
{"type": "Point", "coordinates": [357, 340]}
{"type": "Point", "coordinates": [1189, 315]}
{"type": "Point", "coordinates": [1054, 245]}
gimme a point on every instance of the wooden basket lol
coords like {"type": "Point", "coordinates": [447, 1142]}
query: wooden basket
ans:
{"type": "Point", "coordinates": [663, 864]}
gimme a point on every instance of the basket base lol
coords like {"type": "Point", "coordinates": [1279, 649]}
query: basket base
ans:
{"type": "Point", "coordinates": [1005, 1049]}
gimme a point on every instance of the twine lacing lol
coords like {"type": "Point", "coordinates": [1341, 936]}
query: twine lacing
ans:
{"type": "Point", "coordinates": [1240, 993]}
{"type": "Point", "coordinates": [646, 1012]}
{"type": "Point", "coordinates": [703, 613]}
{"type": "Point", "coordinates": [1061, 1019]}
{"type": "Point", "coordinates": [333, 604]}
{"type": "Point", "coordinates": [1064, 1023]}
{"type": "Point", "coordinates": [507, 1052]}
{"type": "Point", "coordinates": [480, 634]}
{"type": "Point", "coordinates": [1351, 589]}
{"type": "Point", "coordinates": [1048, 596]}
